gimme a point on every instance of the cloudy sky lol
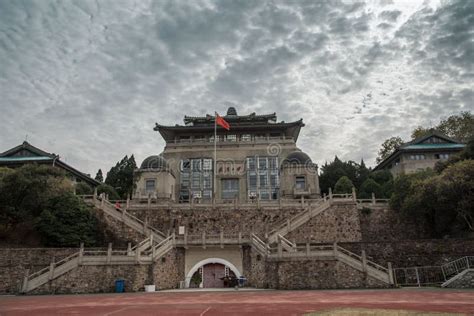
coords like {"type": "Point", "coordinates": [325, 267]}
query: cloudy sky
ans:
{"type": "Point", "coordinates": [89, 79]}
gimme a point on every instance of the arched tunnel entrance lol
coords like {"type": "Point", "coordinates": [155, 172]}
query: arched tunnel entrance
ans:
{"type": "Point", "coordinates": [212, 273]}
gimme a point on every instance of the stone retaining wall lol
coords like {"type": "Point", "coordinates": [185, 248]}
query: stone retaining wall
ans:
{"type": "Point", "coordinates": [300, 274]}
{"type": "Point", "coordinates": [15, 261]}
{"type": "Point", "coordinates": [339, 222]}
{"type": "Point", "coordinates": [408, 253]}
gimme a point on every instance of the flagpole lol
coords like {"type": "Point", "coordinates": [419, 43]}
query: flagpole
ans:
{"type": "Point", "coordinates": [215, 155]}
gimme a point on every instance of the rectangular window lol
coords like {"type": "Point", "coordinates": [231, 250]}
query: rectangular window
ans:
{"type": "Point", "coordinates": [417, 157]}
{"type": "Point", "coordinates": [251, 163]}
{"type": "Point", "coordinates": [207, 180]}
{"type": "Point", "coordinates": [442, 156]}
{"type": "Point", "coordinates": [273, 163]}
{"type": "Point", "coordinates": [300, 183]}
{"type": "Point", "coordinates": [185, 165]}
{"type": "Point", "coordinates": [252, 180]}
{"type": "Point", "coordinates": [185, 180]}
{"type": "Point", "coordinates": [196, 164]}
{"type": "Point", "coordinates": [263, 178]}
{"type": "Point", "coordinates": [246, 137]}
{"type": "Point", "coordinates": [196, 176]}
{"type": "Point", "coordinates": [196, 180]}
{"type": "Point", "coordinates": [230, 188]}
{"type": "Point", "coordinates": [231, 138]}
{"type": "Point", "coordinates": [207, 164]}
{"type": "Point", "coordinates": [149, 186]}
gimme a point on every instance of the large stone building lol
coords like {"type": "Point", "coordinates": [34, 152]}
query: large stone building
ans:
{"type": "Point", "coordinates": [264, 219]}
{"type": "Point", "coordinates": [256, 159]}
{"type": "Point", "coordinates": [420, 154]}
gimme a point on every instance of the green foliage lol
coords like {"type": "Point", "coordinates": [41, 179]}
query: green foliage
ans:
{"type": "Point", "coordinates": [368, 187]}
{"type": "Point", "coordinates": [108, 190]}
{"type": "Point", "coordinates": [442, 203]}
{"type": "Point", "coordinates": [84, 189]}
{"type": "Point", "coordinates": [459, 127]}
{"type": "Point", "coordinates": [381, 176]}
{"type": "Point", "coordinates": [388, 147]}
{"type": "Point", "coordinates": [403, 186]}
{"type": "Point", "coordinates": [67, 221]}
{"type": "Point", "coordinates": [120, 177]}
{"type": "Point", "coordinates": [343, 185]}
{"type": "Point", "coordinates": [25, 191]}
{"type": "Point", "coordinates": [332, 172]}
{"type": "Point", "coordinates": [99, 176]}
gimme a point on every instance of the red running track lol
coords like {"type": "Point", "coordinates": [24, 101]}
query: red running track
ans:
{"type": "Point", "coordinates": [239, 302]}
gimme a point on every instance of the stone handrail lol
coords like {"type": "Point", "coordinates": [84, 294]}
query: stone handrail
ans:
{"type": "Point", "coordinates": [96, 257]}
{"type": "Point", "coordinates": [122, 215]}
{"type": "Point", "coordinates": [287, 249]}
{"type": "Point", "coordinates": [299, 219]}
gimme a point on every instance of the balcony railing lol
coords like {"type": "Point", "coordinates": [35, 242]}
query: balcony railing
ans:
{"type": "Point", "coordinates": [220, 141]}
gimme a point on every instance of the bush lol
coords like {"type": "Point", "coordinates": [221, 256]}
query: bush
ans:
{"type": "Point", "coordinates": [108, 190]}
{"type": "Point", "coordinates": [368, 187]}
{"type": "Point", "coordinates": [84, 189]}
{"type": "Point", "coordinates": [343, 185]}
{"type": "Point", "coordinates": [66, 222]}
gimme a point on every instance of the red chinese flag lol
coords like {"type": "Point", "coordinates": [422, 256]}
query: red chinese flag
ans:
{"type": "Point", "coordinates": [220, 121]}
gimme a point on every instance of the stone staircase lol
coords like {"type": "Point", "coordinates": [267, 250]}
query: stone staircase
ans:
{"type": "Point", "coordinates": [122, 215]}
{"type": "Point", "coordinates": [456, 269]}
{"type": "Point", "coordinates": [300, 219]}
{"type": "Point", "coordinates": [287, 249]}
{"type": "Point", "coordinates": [143, 253]}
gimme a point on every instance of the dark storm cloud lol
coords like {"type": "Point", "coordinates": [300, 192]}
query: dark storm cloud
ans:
{"type": "Point", "coordinates": [89, 79]}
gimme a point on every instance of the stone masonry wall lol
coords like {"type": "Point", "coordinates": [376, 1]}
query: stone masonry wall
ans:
{"type": "Point", "coordinates": [338, 223]}
{"type": "Point", "coordinates": [254, 268]}
{"type": "Point", "coordinates": [300, 274]}
{"type": "Point", "coordinates": [15, 261]}
{"type": "Point", "coordinates": [168, 271]}
{"type": "Point", "coordinates": [464, 282]}
{"type": "Point", "coordinates": [97, 279]}
{"type": "Point", "coordinates": [408, 253]}
{"type": "Point", "coordinates": [380, 223]}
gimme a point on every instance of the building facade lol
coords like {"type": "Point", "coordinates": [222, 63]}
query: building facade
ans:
{"type": "Point", "coordinates": [256, 159]}
{"type": "Point", "coordinates": [420, 154]}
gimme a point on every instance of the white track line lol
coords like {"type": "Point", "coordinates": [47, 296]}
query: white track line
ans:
{"type": "Point", "coordinates": [207, 309]}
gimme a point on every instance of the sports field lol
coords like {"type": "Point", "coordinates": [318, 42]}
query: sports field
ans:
{"type": "Point", "coordinates": [334, 302]}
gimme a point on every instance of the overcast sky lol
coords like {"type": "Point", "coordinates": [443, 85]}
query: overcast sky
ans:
{"type": "Point", "coordinates": [89, 79]}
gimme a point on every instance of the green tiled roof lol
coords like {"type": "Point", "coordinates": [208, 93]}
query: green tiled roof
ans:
{"type": "Point", "coordinates": [12, 159]}
{"type": "Point", "coordinates": [434, 146]}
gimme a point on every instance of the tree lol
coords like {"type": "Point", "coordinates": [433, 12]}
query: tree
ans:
{"type": "Point", "coordinates": [84, 189]}
{"type": "Point", "coordinates": [99, 177]}
{"type": "Point", "coordinates": [388, 147]}
{"type": "Point", "coordinates": [459, 127]}
{"type": "Point", "coordinates": [455, 190]}
{"type": "Point", "coordinates": [343, 185]}
{"type": "Point", "coordinates": [332, 172]}
{"type": "Point", "coordinates": [120, 177]}
{"type": "Point", "coordinates": [441, 203]}
{"type": "Point", "coordinates": [25, 191]}
{"type": "Point", "coordinates": [67, 221]}
{"type": "Point", "coordinates": [368, 187]}
{"type": "Point", "coordinates": [108, 190]}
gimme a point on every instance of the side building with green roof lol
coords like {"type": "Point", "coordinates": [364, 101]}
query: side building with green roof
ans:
{"type": "Point", "coordinates": [26, 153]}
{"type": "Point", "coordinates": [420, 154]}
